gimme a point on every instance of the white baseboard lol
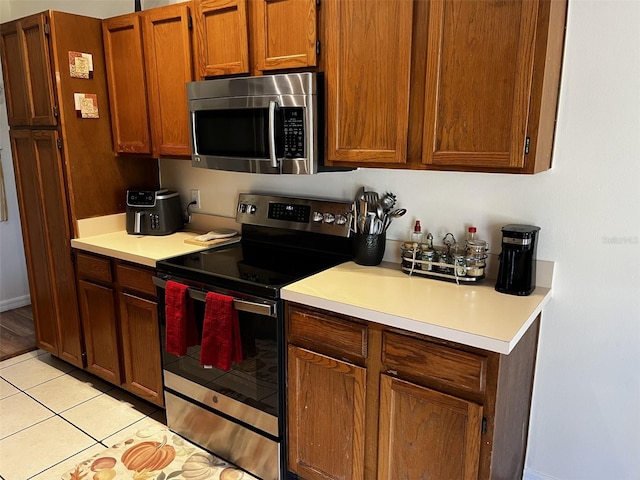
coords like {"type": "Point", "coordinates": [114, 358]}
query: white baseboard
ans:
{"type": "Point", "coordinates": [15, 302]}
{"type": "Point", "coordinates": [533, 475]}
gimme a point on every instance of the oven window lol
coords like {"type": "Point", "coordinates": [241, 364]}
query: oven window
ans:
{"type": "Point", "coordinates": [242, 133]}
{"type": "Point", "coordinates": [254, 381]}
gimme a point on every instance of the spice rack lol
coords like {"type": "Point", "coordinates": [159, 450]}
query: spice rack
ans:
{"type": "Point", "coordinates": [466, 269]}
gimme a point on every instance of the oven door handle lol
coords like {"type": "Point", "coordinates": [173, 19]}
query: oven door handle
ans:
{"type": "Point", "coordinates": [267, 309]}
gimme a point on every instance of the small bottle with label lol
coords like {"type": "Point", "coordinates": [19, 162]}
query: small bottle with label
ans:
{"type": "Point", "coordinates": [416, 235]}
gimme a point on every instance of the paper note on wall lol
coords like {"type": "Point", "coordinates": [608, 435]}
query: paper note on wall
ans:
{"type": "Point", "coordinates": [81, 65]}
{"type": "Point", "coordinates": [86, 105]}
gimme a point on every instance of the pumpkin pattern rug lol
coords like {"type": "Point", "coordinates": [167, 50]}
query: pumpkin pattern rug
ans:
{"type": "Point", "coordinates": [155, 454]}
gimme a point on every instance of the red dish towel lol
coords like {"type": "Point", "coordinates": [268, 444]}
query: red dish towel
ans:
{"type": "Point", "coordinates": [181, 329]}
{"type": "Point", "coordinates": [221, 343]}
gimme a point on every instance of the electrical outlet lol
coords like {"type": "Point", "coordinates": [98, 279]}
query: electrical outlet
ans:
{"type": "Point", "coordinates": [195, 197]}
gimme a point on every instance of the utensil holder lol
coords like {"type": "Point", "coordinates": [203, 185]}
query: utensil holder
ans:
{"type": "Point", "coordinates": [368, 249]}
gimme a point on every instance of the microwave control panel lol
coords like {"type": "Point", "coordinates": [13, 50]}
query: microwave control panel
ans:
{"type": "Point", "coordinates": [293, 127]}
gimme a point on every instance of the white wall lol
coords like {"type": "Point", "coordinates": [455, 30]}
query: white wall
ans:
{"type": "Point", "coordinates": [586, 418]}
{"type": "Point", "coordinates": [14, 285]}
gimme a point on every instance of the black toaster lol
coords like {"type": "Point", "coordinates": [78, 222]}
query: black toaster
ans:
{"type": "Point", "coordinates": [153, 212]}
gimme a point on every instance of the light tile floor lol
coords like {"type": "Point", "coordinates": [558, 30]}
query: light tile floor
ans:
{"type": "Point", "coordinates": [53, 415]}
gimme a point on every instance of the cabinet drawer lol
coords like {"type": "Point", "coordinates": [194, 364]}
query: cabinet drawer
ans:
{"type": "Point", "coordinates": [334, 333]}
{"type": "Point", "coordinates": [95, 268]}
{"type": "Point", "coordinates": [446, 365]}
{"type": "Point", "coordinates": [134, 278]}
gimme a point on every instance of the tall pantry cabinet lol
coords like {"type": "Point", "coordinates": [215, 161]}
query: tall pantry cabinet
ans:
{"type": "Point", "coordinates": [57, 105]}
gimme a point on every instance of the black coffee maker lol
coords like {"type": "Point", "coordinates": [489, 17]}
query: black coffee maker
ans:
{"type": "Point", "coordinates": [517, 273]}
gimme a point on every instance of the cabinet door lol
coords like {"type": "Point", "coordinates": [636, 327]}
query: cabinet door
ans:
{"type": "Point", "coordinates": [426, 434]}
{"type": "Point", "coordinates": [478, 84]}
{"type": "Point", "coordinates": [46, 234]}
{"type": "Point", "coordinates": [326, 408]}
{"type": "Point", "coordinates": [97, 304]}
{"type": "Point", "coordinates": [167, 49]}
{"type": "Point", "coordinates": [285, 33]}
{"type": "Point", "coordinates": [28, 76]}
{"type": "Point", "coordinates": [368, 66]}
{"type": "Point", "coordinates": [222, 37]}
{"type": "Point", "coordinates": [141, 347]}
{"type": "Point", "coordinates": [127, 84]}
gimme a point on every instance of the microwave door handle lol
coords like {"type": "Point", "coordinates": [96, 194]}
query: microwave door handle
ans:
{"type": "Point", "coordinates": [193, 133]}
{"type": "Point", "coordinates": [272, 133]}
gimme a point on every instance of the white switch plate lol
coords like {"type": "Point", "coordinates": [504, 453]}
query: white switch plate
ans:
{"type": "Point", "coordinates": [195, 197]}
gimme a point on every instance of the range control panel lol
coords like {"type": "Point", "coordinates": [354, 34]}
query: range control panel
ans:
{"type": "Point", "coordinates": [311, 215]}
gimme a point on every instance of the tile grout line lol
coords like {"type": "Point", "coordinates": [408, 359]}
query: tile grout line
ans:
{"type": "Point", "coordinates": [58, 414]}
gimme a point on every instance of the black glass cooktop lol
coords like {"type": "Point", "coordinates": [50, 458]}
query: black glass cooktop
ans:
{"type": "Point", "coordinates": [254, 267]}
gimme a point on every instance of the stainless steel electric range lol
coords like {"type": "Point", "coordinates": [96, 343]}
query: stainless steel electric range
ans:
{"type": "Point", "coordinates": [239, 414]}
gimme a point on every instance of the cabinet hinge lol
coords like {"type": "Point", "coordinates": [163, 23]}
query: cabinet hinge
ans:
{"type": "Point", "coordinates": [318, 3]}
{"type": "Point", "coordinates": [527, 142]}
{"type": "Point", "coordinates": [483, 429]}
{"type": "Point", "coordinates": [46, 29]}
{"type": "Point", "coordinates": [73, 254]}
{"type": "Point", "coordinates": [55, 111]}
{"type": "Point", "coordinates": [59, 143]}
{"type": "Point", "coordinates": [189, 23]}
{"type": "Point", "coordinates": [318, 47]}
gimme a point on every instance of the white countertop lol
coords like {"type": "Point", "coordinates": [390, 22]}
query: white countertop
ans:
{"type": "Point", "coordinates": [474, 315]}
{"type": "Point", "coordinates": [141, 249]}
{"type": "Point", "coordinates": [107, 235]}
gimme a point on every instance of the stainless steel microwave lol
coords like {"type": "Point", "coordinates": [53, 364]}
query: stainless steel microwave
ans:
{"type": "Point", "coordinates": [270, 124]}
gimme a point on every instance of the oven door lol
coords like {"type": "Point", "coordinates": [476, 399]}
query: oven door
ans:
{"type": "Point", "coordinates": [236, 414]}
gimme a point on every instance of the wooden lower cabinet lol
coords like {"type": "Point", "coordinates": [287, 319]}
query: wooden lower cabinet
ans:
{"type": "Point", "coordinates": [326, 416]}
{"type": "Point", "coordinates": [365, 401]}
{"type": "Point", "coordinates": [413, 417]}
{"type": "Point", "coordinates": [141, 347]}
{"type": "Point", "coordinates": [44, 218]}
{"type": "Point", "coordinates": [98, 312]}
{"type": "Point", "coordinates": [120, 324]}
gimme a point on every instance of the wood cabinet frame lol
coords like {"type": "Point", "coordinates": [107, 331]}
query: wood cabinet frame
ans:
{"type": "Point", "coordinates": [121, 326]}
{"type": "Point", "coordinates": [24, 45]}
{"type": "Point", "coordinates": [487, 396]}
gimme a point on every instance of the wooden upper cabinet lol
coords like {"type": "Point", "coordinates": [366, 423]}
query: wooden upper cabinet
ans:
{"type": "Point", "coordinates": [222, 39]}
{"type": "Point", "coordinates": [368, 69]}
{"type": "Point", "coordinates": [285, 33]}
{"type": "Point", "coordinates": [149, 61]}
{"type": "Point", "coordinates": [29, 82]}
{"type": "Point", "coordinates": [169, 66]}
{"type": "Point", "coordinates": [482, 99]}
{"type": "Point", "coordinates": [126, 78]}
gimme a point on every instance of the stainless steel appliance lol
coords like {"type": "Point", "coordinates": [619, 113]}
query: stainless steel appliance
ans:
{"type": "Point", "coordinates": [268, 124]}
{"type": "Point", "coordinates": [153, 212]}
{"type": "Point", "coordinates": [239, 414]}
{"type": "Point", "coordinates": [517, 271]}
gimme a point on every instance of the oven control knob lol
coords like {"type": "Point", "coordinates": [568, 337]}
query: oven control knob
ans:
{"type": "Point", "coordinates": [329, 218]}
{"type": "Point", "coordinates": [242, 207]}
{"type": "Point", "coordinates": [251, 208]}
{"type": "Point", "coordinates": [317, 217]}
{"type": "Point", "coordinates": [341, 220]}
